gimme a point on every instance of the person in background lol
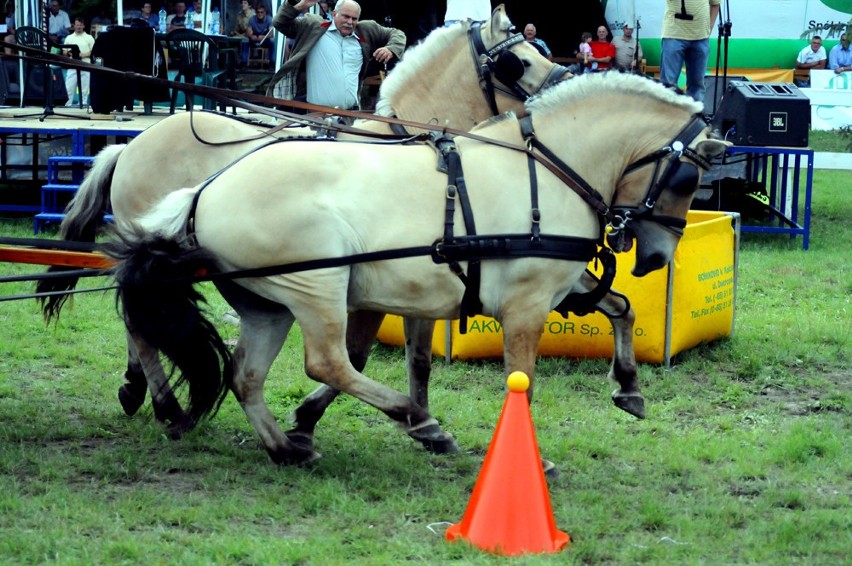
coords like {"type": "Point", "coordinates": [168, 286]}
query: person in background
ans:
{"type": "Point", "coordinates": [584, 52]}
{"type": "Point", "coordinates": [259, 34]}
{"type": "Point", "coordinates": [840, 56]}
{"type": "Point", "coordinates": [626, 47]}
{"type": "Point", "coordinates": [811, 57]}
{"type": "Point", "coordinates": [146, 13]}
{"type": "Point", "coordinates": [59, 25]}
{"type": "Point", "coordinates": [246, 13]}
{"type": "Point", "coordinates": [603, 52]}
{"type": "Point", "coordinates": [686, 31]}
{"type": "Point", "coordinates": [529, 35]}
{"type": "Point", "coordinates": [178, 19]}
{"type": "Point", "coordinates": [10, 24]}
{"type": "Point", "coordinates": [325, 8]}
{"type": "Point", "coordinates": [476, 10]}
{"type": "Point", "coordinates": [85, 42]}
{"type": "Point", "coordinates": [329, 59]}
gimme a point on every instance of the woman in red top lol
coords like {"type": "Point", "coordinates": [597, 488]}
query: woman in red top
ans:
{"type": "Point", "coordinates": [603, 52]}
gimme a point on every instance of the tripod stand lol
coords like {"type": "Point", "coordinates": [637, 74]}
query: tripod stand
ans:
{"type": "Point", "coordinates": [36, 38]}
{"type": "Point", "coordinates": [724, 35]}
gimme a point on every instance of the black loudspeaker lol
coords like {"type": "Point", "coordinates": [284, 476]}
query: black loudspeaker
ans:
{"type": "Point", "coordinates": [126, 49]}
{"type": "Point", "coordinates": [714, 89]}
{"type": "Point", "coordinates": [764, 114]}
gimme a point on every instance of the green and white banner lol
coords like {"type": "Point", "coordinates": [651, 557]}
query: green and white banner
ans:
{"type": "Point", "coordinates": [764, 19]}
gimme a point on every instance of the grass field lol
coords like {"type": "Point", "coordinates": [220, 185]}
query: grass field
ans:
{"type": "Point", "coordinates": [744, 457]}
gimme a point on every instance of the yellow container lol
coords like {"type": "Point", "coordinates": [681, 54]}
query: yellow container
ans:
{"type": "Point", "coordinates": [689, 302]}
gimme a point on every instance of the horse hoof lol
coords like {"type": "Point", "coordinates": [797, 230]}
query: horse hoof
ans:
{"type": "Point", "coordinates": [179, 426]}
{"type": "Point", "coordinates": [294, 455]}
{"type": "Point", "coordinates": [549, 468]}
{"type": "Point", "coordinates": [130, 400]}
{"type": "Point", "coordinates": [633, 403]}
{"type": "Point", "coordinates": [434, 439]}
{"type": "Point", "coordinates": [302, 440]}
{"type": "Point", "coordinates": [443, 446]}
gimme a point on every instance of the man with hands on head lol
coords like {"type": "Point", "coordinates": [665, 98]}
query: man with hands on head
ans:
{"type": "Point", "coordinates": [329, 58]}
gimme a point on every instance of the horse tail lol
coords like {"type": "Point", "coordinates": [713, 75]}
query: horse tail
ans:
{"type": "Point", "coordinates": [158, 299]}
{"type": "Point", "coordinates": [82, 218]}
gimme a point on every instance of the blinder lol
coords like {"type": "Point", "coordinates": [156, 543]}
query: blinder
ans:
{"type": "Point", "coordinates": [681, 178]}
{"type": "Point", "coordinates": [508, 68]}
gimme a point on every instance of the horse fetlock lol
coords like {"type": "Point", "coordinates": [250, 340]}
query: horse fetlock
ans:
{"type": "Point", "coordinates": [630, 401]}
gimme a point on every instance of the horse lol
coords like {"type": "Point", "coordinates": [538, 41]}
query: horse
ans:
{"type": "Point", "coordinates": [435, 83]}
{"type": "Point", "coordinates": [378, 242]}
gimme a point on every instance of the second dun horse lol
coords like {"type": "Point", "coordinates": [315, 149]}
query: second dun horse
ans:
{"type": "Point", "coordinates": [443, 81]}
{"type": "Point", "coordinates": [300, 210]}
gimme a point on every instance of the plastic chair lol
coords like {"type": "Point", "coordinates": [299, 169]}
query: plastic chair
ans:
{"type": "Point", "coordinates": [36, 38]}
{"type": "Point", "coordinates": [199, 57]}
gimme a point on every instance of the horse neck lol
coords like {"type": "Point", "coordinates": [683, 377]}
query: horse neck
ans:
{"type": "Point", "coordinates": [445, 92]}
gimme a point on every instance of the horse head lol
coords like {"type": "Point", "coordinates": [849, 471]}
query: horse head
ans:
{"type": "Point", "coordinates": [653, 210]}
{"type": "Point", "coordinates": [638, 152]}
{"type": "Point", "coordinates": [463, 74]}
{"type": "Point", "coordinates": [520, 68]}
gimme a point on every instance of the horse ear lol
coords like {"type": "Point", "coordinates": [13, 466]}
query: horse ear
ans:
{"type": "Point", "coordinates": [508, 68]}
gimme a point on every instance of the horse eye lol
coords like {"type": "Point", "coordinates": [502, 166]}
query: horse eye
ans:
{"type": "Point", "coordinates": [526, 63]}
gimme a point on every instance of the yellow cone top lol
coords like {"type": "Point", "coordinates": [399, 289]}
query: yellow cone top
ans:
{"type": "Point", "coordinates": [518, 381]}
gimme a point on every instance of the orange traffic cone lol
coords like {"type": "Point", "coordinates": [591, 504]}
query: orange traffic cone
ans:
{"type": "Point", "coordinates": [509, 510]}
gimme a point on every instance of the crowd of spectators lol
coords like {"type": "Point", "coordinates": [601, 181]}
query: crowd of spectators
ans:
{"type": "Point", "coordinates": [686, 28]}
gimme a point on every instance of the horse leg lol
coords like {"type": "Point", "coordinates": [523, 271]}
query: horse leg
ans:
{"type": "Point", "coordinates": [627, 397]}
{"type": "Point", "coordinates": [264, 326]}
{"type": "Point", "coordinates": [327, 362]}
{"type": "Point", "coordinates": [166, 406]}
{"type": "Point", "coordinates": [521, 337]}
{"type": "Point", "coordinates": [361, 330]}
{"type": "Point", "coordinates": [616, 308]}
{"type": "Point", "coordinates": [418, 358]}
{"type": "Point", "coordinates": [261, 337]}
{"type": "Point", "coordinates": [131, 394]}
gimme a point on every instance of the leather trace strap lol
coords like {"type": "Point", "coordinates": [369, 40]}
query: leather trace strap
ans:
{"type": "Point", "coordinates": [473, 248]}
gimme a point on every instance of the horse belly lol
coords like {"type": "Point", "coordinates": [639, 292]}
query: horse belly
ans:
{"type": "Point", "coordinates": [415, 287]}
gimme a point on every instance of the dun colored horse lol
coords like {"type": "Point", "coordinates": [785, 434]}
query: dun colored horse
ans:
{"type": "Point", "coordinates": [439, 82]}
{"type": "Point", "coordinates": [539, 200]}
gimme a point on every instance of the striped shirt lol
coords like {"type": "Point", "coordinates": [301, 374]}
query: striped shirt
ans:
{"type": "Point", "coordinates": [696, 28]}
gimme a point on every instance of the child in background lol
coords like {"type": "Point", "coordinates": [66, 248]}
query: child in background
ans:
{"type": "Point", "coordinates": [585, 48]}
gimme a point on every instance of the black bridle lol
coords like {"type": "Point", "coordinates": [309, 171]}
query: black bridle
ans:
{"type": "Point", "coordinates": [680, 177]}
{"type": "Point", "coordinates": [505, 66]}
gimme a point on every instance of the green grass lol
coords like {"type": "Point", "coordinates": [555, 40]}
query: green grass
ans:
{"type": "Point", "coordinates": [838, 141]}
{"type": "Point", "coordinates": [743, 459]}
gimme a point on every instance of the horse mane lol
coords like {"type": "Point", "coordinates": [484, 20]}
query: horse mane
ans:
{"type": "Point", "coordinates": [416, 58]}
{"type": "Point", "coordinates": [596, 84]}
